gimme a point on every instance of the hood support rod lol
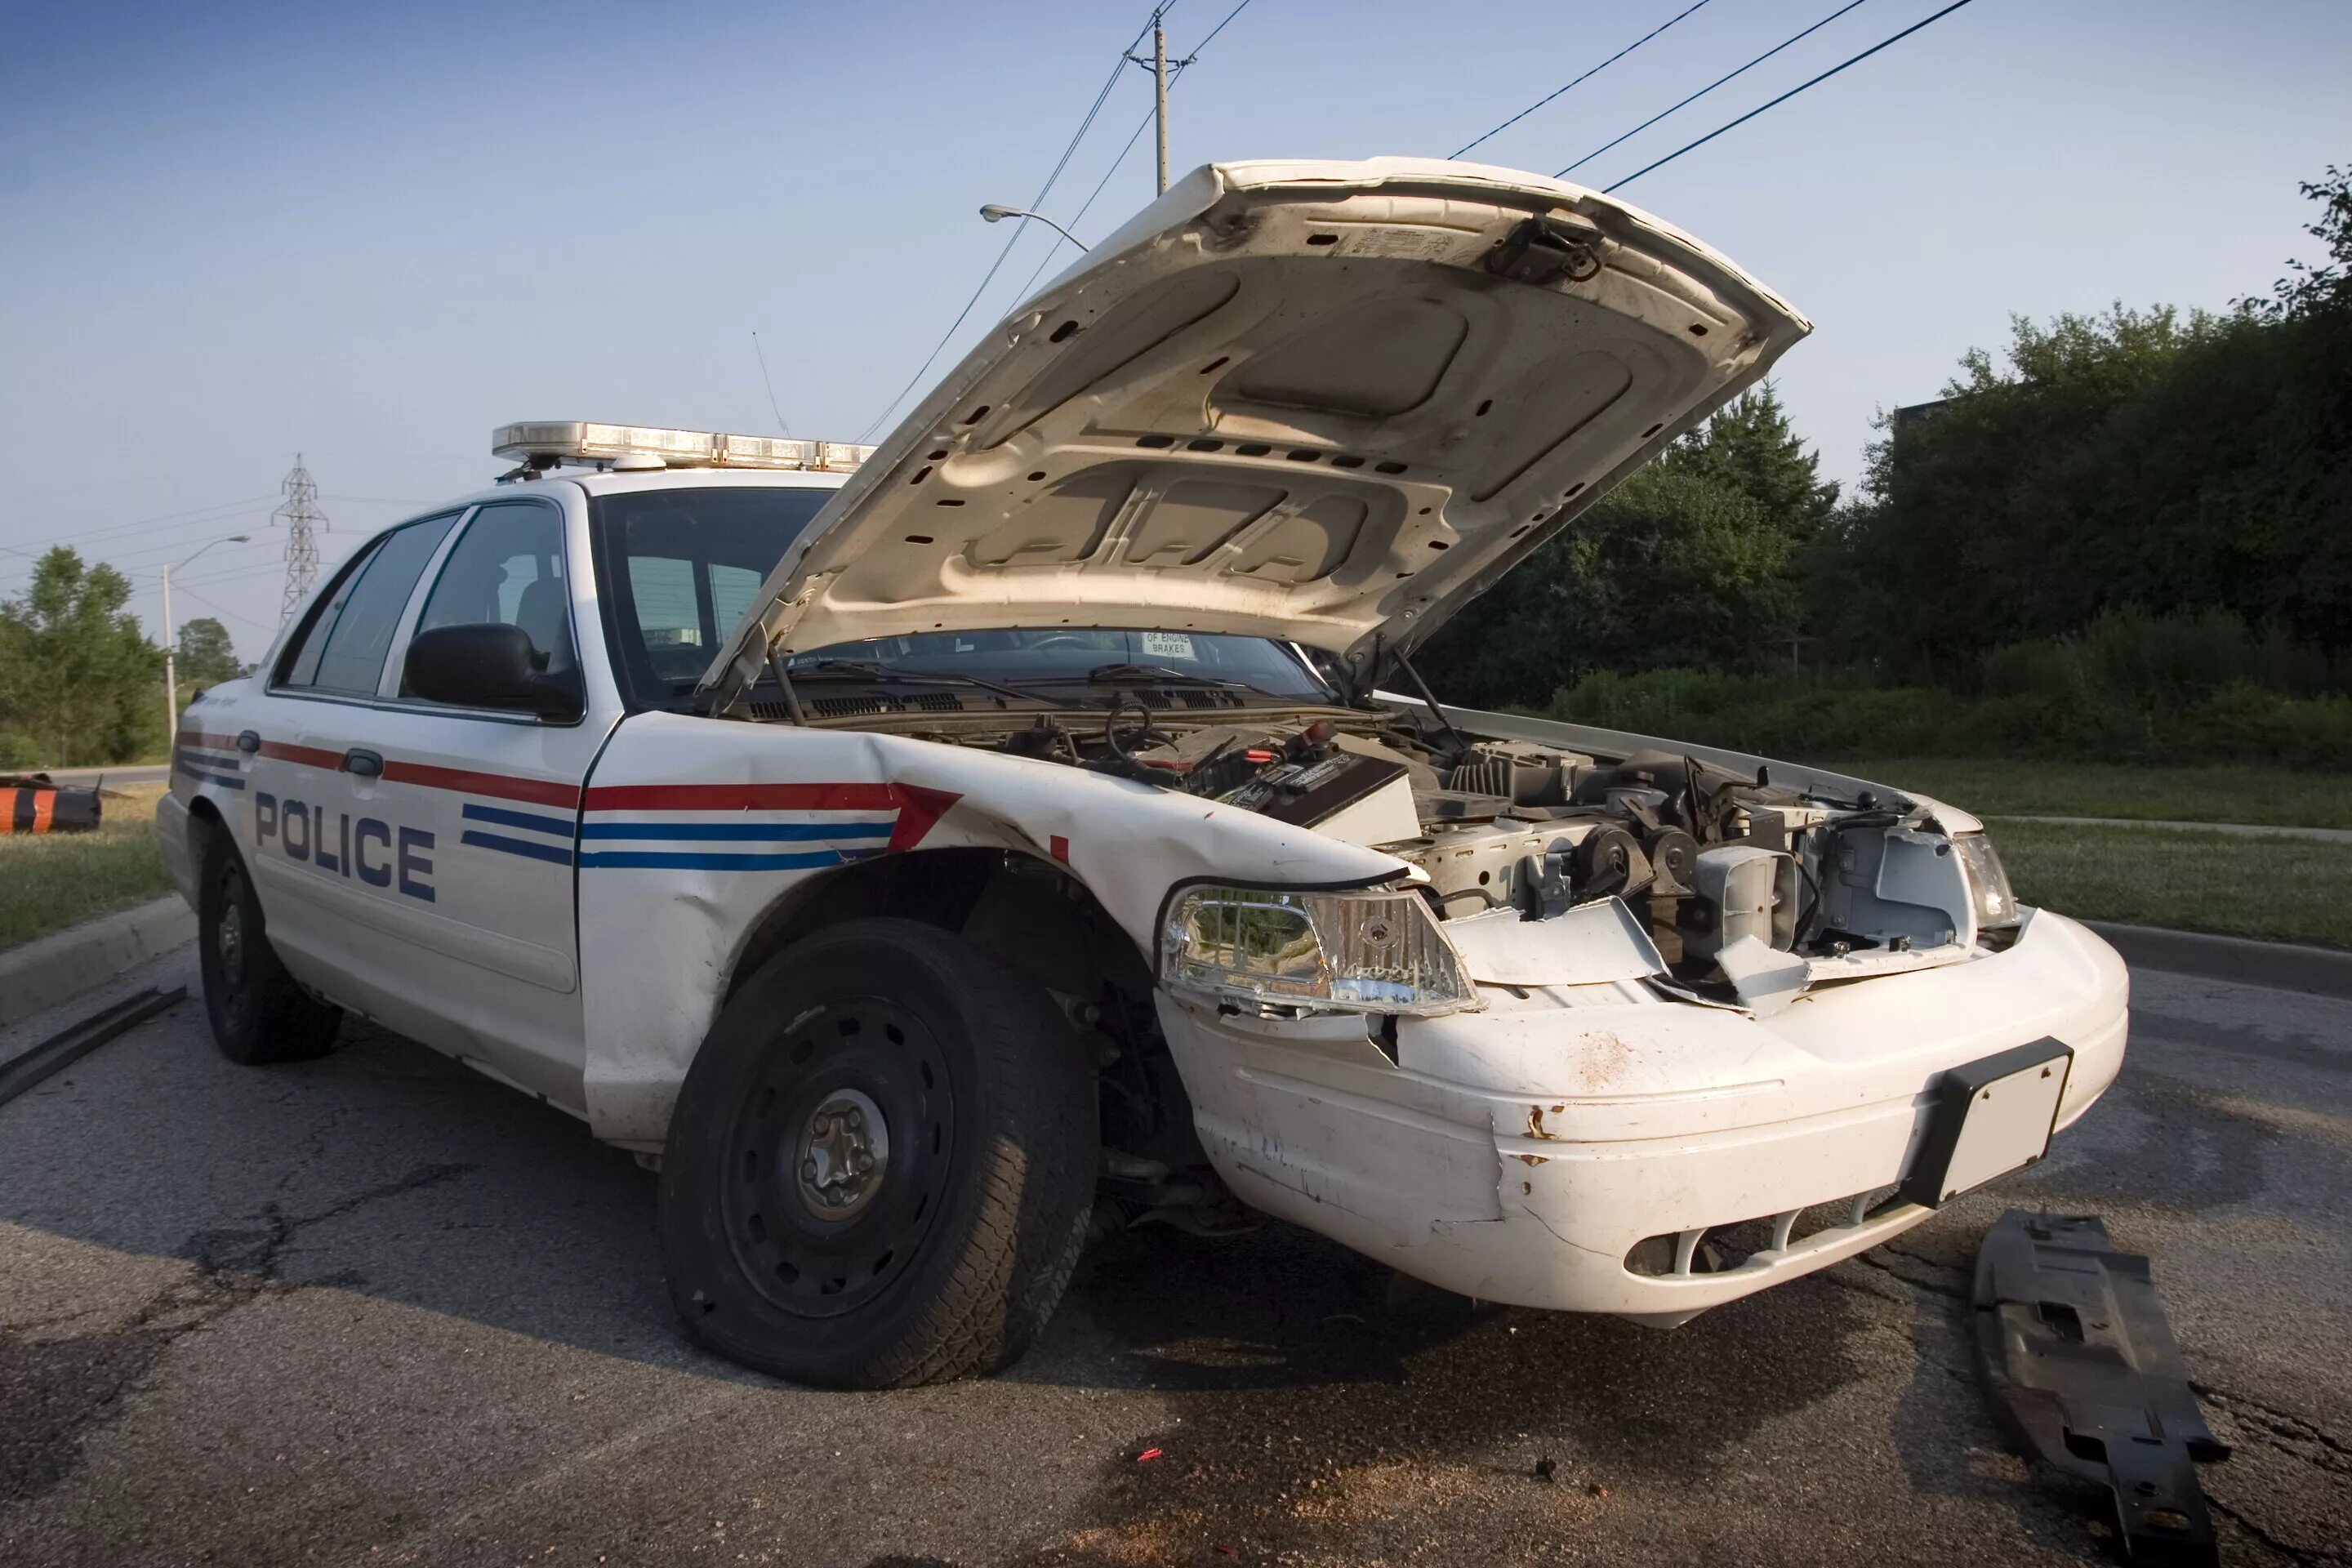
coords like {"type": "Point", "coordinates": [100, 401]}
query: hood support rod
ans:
{"type": "Point", "coordinates": [1428, 696]}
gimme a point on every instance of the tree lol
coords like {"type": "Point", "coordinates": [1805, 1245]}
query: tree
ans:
{"type": "Point", "coordinates": [1689, 563]}
{"type": "Point", "coordinates": [77, 676]}
{"type": "Point", "coordinates": [2180, 465]}
{"type": "Point", "coordinates": [206, 656]}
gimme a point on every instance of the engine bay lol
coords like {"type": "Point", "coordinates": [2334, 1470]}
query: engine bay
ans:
{"type": "Point", "coordinates": [1710, 861]}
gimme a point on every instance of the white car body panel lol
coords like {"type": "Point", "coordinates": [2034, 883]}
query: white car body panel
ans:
{"type": "Point", "coordinates": [856, 793]}
{"type": "Point", "coordinates": [594, 889]}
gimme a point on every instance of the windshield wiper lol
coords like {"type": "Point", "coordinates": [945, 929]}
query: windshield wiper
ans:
{"type": "Point", "coordinates": [1161, 675]}
{"type": "Point", "coordinates": [884, 674]}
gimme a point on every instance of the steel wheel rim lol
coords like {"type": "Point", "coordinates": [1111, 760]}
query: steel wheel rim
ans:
{"type": "Point", "coordinates": [231, 948]}
{"type": "Point", "coordinates": [816, 1234]}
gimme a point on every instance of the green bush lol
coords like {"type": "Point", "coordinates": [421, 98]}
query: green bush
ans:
{"type": "Point", "coordinates": [2060, 709]}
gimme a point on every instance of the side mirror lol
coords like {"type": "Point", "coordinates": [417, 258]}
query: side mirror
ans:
{"type": "Point", "coordinates": [488, 665]}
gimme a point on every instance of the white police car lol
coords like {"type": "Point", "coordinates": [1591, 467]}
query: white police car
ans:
{"type": "Point", "coordinates": [922, 859]}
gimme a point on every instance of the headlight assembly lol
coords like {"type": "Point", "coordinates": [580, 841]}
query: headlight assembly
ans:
{"type": "Point", "coordinates": [1989, 890]}
{"type": "Point", "coordinates": [1375, 952]}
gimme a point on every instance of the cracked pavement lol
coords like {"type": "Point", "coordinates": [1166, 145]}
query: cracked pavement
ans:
{"type": "Point", "coordinates": [376, 1309]}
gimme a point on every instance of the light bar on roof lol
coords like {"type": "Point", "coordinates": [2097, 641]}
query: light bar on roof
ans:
{"type": "Point", "coordinates": [546, 443]}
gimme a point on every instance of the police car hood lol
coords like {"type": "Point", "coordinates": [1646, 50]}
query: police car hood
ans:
{"type": "Point", "coordinates": [1328, 402]}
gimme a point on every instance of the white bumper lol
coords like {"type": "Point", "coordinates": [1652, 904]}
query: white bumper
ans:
{"type": "Point", "coordinates": [171, 832]}
{"type": "Point", "coordinates": [1519, 1154]}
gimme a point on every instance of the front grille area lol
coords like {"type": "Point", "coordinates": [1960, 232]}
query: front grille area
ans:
{"type": "Point", "coordinates": [1721, 1248]}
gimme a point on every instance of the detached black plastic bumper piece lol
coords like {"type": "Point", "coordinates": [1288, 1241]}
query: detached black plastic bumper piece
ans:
{"type": "Point", "coordinates": [2084, 1372]}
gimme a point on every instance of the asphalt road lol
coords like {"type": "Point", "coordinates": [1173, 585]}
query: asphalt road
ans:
{"type": "Point", "coordinates": [378, 1310]}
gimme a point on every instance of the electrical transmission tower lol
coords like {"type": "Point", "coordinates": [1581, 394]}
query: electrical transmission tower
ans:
{"type": "Point", "coordinates": [300, 514]}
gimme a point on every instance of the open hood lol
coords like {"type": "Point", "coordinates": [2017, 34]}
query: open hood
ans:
{"type": "Point", "coordinates": [1326, 402]}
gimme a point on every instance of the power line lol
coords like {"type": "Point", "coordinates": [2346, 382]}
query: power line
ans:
{"type": "Point", "coordinates": [143, 524]}
{"type": "Point", "coordinates": [1133, 137]}
{"type": "Point", "coordinates": [1014, 239]}
{"type": "Point", "coordinates": [1596, 70]}
{"type": "Point", "coordinates": [1710, 87]}
{"type": "Point", "coordinates": [773, 407]}
{"type": "Point", "coordinates": [1784, 97]}
{"type": "Point", "coordinates": [232, 614]}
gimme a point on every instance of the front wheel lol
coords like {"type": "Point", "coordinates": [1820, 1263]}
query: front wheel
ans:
{"type": "Point", "coordinates": [881, 1164]}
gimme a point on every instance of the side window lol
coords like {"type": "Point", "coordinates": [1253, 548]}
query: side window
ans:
{"type": "Point", "coordinates": [508, 568]}
{"type": "Point", "coordinates": [343, 648]}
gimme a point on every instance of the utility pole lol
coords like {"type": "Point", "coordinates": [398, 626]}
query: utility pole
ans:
{"type": "Point", "coordinates": [1159, 63]}
{"type": "Point", "coordinates": [1159, 90]}
{"type": "Point", "coordinates": [300, 514]}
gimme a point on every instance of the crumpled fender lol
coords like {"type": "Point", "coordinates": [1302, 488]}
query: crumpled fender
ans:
{"type": "Point", "coordinates": [1129, 843]}
{"type": "Point", "coordinates": [659, 942]}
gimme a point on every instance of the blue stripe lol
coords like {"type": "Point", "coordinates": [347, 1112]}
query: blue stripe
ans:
{"type": "Point", "coordinates": [225, 781]}
{"type": "Point", "coordinates": [734, 831]}
{"type": "Point", "coordinates": [661, 860]}
{"type": "Point", "coordinates": [559, 826]}
{"type": "Point", "coordinates": [528, 848]}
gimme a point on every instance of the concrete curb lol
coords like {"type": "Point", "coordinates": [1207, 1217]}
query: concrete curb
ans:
{"type": "Point", "coordinates": [49, 969]}
{"type": "Point", "coordinates": [2282, 967]}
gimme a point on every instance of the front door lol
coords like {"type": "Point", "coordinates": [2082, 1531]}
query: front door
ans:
{"type": "Point", "coordinates": [494, 800]}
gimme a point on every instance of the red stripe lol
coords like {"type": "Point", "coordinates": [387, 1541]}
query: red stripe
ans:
{"type": "Point", "coordinates": [504, 786]}
{"type": "Point", "coordinates": [215, 742]}
{"type": "Point", "coordinates": [310, 756]}
{"type": "Point", "coordinates": [747, 798]}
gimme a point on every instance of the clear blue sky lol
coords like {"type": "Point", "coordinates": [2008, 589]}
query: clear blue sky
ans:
{"type": "Point", "coordinates": [231, 231]}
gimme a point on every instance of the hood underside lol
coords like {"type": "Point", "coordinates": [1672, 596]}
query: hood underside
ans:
{"type": "Point", "coordinates": [1328, 402]}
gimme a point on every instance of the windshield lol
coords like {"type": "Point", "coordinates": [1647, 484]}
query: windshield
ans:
{"type": "Point", "coordinates": [678, 567]}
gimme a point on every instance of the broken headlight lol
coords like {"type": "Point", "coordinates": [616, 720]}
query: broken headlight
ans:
{"type": "Point", "coordinates": [1375, 952]}
{"type": "Point", "coordinates": [1989, 890]}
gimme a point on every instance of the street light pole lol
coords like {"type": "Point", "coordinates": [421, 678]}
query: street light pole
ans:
{"type": "Point", "coordinates": [170, 674]}
{"type": "Point", "coordinates": [994, 212]}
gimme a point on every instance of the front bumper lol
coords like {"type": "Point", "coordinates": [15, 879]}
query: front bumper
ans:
{"type": "Point", "coordinates": [173, 832]}
{"type": "Point", "coordinates": [1519, 1154]}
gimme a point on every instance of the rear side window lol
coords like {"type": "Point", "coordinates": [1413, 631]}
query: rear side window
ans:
{"type": "Point", "coordinates": [343, 649]}
{"type": "Point", "coordinates": [507, 569]}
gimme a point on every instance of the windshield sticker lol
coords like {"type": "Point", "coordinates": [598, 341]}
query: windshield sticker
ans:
{"type": "Point", "coordinates": [1167, 644]}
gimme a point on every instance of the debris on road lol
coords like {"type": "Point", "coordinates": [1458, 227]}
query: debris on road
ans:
{"type": "Point", "coordinates": [34, 803]}
{"type": "Point", "coordinates": [2084, 1372]}
{"type": "Point", "coordinates": [69, 1045]}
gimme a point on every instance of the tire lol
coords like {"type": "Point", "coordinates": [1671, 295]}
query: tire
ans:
{"type": "Point", "coordinates": [260, 1015]}
{"type": "Point", "coordinates": [972, 1103]}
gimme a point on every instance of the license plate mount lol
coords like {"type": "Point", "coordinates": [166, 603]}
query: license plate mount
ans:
{"type": "Point", "coordinates": [1991, 1116]}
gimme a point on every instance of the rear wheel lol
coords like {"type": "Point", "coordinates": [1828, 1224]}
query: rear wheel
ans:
{"type": "Point", "coordinates": [881, 1164]}
{"type": "Point", "coordinates": [258, 1015]}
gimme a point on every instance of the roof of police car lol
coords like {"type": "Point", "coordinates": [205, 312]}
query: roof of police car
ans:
{"type": "Point", "coordinates": [596, 483]}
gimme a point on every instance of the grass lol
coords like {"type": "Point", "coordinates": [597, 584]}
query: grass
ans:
{"type": "Point", "coordinates": [2224, 793]}
{"type": "Point", "coordinates": [51, 882]}
{"type": "Point", "coordinates": [2274, 890]}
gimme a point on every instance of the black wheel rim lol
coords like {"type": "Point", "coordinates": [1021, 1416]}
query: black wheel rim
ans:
{"type": "Point", "coordinates": [836, 1166]}
{"type": "Point", "coordinates": [231, 943]}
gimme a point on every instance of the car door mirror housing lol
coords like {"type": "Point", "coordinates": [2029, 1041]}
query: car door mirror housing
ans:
{"type": "Point", "coordinates": [488, 665]}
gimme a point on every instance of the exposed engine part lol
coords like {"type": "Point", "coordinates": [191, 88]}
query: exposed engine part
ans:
{"type": "Point", "coordinates": [1741, 890]}
{"type": "Point", "coordinates": [1715, 863]}
{"type": "Point", "coordinates": [1520, 775]}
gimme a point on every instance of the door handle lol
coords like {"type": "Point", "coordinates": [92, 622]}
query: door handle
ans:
{"type": "Point", "coordinates": [248, 742]}
{"type": "Point", "coordinates": [366, 764]}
